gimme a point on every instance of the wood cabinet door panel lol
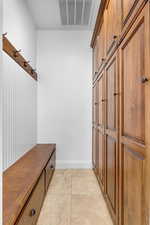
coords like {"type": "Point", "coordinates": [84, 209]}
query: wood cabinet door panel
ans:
{"type": "Point", "coordinates": [111, 171]}
{"type": "Point", "coordinates": [133, 179]}
{"type": "Point", "coordinates": [111, 93]}
{"type": "Point", "coordinates": [95, 58]}
{"type": "Point", "coordinates": [97, 151]}
{"type": "Point", "coordinates": [133, 89]}
{"type": "Point", "coordinates": [101, 44]}
{"type": "Point", "coordinates": [129, 9]}
{"type": "Point", "coordinates": [101, 100]}
{"type": "Point", "coordinates": [134, 125]}
{"type": "Point", "coordinates": [112, 129]}
{"type": "Point", "coordinates": [95, 104]}
{"type": "Point", "coordinates": [94, 147]}
{"type": "Point", "coordinates": [113, 24]}
{"type": "Point", "coordinates": [102, 159]}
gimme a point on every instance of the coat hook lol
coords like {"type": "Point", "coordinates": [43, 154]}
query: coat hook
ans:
{"type": "Point", "coordinates": [5, 34]}
{"type": "Point", "coordinates": [26, 63]}
{"type": "Point", "coordinates": [16, 52]}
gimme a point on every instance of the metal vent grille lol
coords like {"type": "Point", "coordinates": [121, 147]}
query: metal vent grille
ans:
{"type": "Point", "coordinates": [75, 12]}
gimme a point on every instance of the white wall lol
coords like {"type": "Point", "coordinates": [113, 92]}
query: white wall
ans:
{"type": "Point", "coordinates": [19, 89]}
{"type": "Point", "coordinates": [64, 95]}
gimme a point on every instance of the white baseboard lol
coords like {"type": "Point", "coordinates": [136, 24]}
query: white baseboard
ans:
{"type": "Point", "coordinates": [60, 164]}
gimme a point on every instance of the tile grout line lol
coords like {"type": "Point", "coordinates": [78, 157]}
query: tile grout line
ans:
{"type": "Point", "coordinates": [71, 201]}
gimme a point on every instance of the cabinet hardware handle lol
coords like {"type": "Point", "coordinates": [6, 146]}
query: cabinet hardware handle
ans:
{"type": "Point", "coordinates": [116, 94]}
{"type": "Point", "coordinates": [103, 100]}
{"type": "Point", "coordinates": [32, 212]}
{"type": "Point", "coordinates": [16, 53]}
{"type": "Point", "coordinates": [103, 59]}
{"type": "Point", "coordinates": [144, 80]}
{"type": "Point", "coordinates": [33, 71]}
{"type": "Point", "coordinates": [115, 36]}
{"type": "Point", "coordinates": [96, 103]}
{"type": "Point", "coordinates": [26, 63]}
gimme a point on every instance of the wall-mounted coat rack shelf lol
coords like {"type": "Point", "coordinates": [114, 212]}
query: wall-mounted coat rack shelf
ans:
{"type": "Point", "coordinates": [17, 57]}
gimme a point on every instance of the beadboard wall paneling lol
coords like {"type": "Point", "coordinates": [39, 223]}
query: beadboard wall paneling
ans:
{"type": "Point", "coordinates": [19, 90]}
{"type": "Point", "coordinates": [18, 135]}
{"type": "Point", "coordinates": [8, 127]}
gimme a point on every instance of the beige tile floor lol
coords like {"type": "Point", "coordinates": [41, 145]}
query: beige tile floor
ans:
{"type": "Point", "coordinates": [74, 198]}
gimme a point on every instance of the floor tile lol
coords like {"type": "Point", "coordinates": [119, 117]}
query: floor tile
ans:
{"type": "Point", "coordinates": [74, 198]}
{"type": "Point", "coordinates": [85, 185]}
{"type": "Point", "coordinates": [60, 184]}
{"type": "Point", "coordinates": [88, 210]}
{"type": "Point", "coordinates": [56, 210]}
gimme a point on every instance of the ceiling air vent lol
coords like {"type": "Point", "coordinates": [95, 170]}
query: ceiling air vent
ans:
{"type": "Point", "coordinates": [75, 12]}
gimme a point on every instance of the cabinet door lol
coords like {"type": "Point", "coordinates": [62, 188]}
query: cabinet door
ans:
{"type": "Point", "coordinates": [94, 147]}
{"type": "Point", "coordinates": [101, 101]}
{"type": "Point", "coordinates": [95, 124]}
{"type": "Point", "coordinates": [113, 24]}
{"type": "Point", "coordinates": [129, 9]}
{"type": "Point", "coordinates": [101, 44]}
{"type": "Point", "coordinates": [95, 58]}
{"type": "Point", "coordinates": [101, 136]}
{"type": "Point", "coordinates": [112, 162]}
{"type": "Point", "coordinates": [135, 117]}
{"type": "Point", "coordinates": [95, 104]}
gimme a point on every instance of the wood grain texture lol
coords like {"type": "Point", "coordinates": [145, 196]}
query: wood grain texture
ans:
{"type": "Point", "coordinates": [20, 178]}
{"type": "Point", "coordinates": [134, 147]}
{"type": "Point", "coordinates": [101, 44]}
{"type": "Point", "coordinates": [129, 9]}
{"type": "Point", "coordinates": [18, 58]}
{"type": "Point", "coordinates": [125, 128]}
{"type": "Point", "coordinates": [112, 135]}
{"type": "Point", "coordinates": [30, 213]}
{"type": "Point", "coordinates": [49, 169]}
{"type": "Point", "coordinates": [98, 21]}
{"type": "Point", "coordinates": [113, 28]}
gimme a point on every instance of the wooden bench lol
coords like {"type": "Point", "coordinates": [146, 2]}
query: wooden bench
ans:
{"type": "Point", "coordinates": [25, 185]}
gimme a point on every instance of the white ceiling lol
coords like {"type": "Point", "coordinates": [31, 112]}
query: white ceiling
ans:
{"type": "Point", "coordinates": [46, 14]}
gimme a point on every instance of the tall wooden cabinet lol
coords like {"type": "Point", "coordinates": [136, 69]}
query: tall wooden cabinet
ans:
{"type": "Point", "coordinates": [121, 109]}
{"type": "Point", "coordinates": [112, 100]}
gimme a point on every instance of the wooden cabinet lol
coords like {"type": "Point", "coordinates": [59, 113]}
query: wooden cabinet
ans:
{"type": "Point", "coordinates": [95, 131]}
{"type": "Point", "coordinates": [130, 9]}
{"type": "Point", "coordinates": [101, 127]}
{"type": "Point", "coordinates": [49, 170]}
{"type": "Point", "coordinates": [135, 114]}
{"type": "Point", "coordinates": [24, 185]}
{"type": "Point", "coordinates": [101, 44]}
{"type": "Point", "coordinates": [112, 99]}
{"type": "Point", "coordinates": [95, 59]}
{"type": "Point", "coordinates": [122, 151]}
{"type": "Point", "coordinates": [31, 210]}
{"type": "Point", "coordinates": [101, 101]}
{"type": "Point", "coordinates": [94, 147]}
{"type": "Point", "coordinates": [113, 24]}
{"type": "Point", "coordinates": [95, 104]}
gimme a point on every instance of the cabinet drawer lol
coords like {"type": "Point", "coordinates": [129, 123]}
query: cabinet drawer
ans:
{"type": "Point", "coordinates": [50, 169]}
{"type": "Point", "coordinates": [32, 208]}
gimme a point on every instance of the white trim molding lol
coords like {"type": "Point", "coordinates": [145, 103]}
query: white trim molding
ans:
{"type": "Point", "coordinates": [61, 164]}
